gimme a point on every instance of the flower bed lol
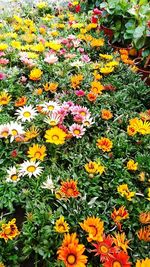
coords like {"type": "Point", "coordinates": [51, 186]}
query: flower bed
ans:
{"type": "Point", "coordinates": [74, 144]}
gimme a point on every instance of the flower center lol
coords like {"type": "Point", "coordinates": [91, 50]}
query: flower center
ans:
{"type": "Point", "coordinates": [31, 168]}
{"type": "Point", "coordinates": [82, 113]}
{"type": "Point", "coordinates": [118, 218]}
{"type": "Point", "coordinates": [70, 191]}
{"type": "Point", "coordinates": [5, 133]}
{"type": "Point", "coordinates": [27, 114]}
{"type": "Point", "coordinates": [71, 259]}
{"type": "Point", "coordinates": [14, 177]}
{"type": "Point", "coordinates": [3, 99]}
{"type": "Point", "coordinates": [55, 137]}
{"type": "Point", "coordinates": [52, 123]}
{"type": "Point", "coordinates": [104, 249]}
{"type": "Point", "coordinates": [50, 107]}
{"type": "Point", "coordinates": [37, 154]}
{"type": "Point", "coordinates": [7, 230]}
{"type": "Point", "coordinates": [14, 132]}
{"type": "Point", "coordinates": [77, 132]}
{"type": "Point", "coordinates": [93, 230]}
{"type": "Point", "coordinates": [116, 264]}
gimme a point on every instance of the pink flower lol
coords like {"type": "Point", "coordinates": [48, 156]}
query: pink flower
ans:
{"type": "Point", "coordinates": [2, 76]}
{"type": "Point", "coordinates": [76, 43]}
{"type": "Point", "coordinates": [96, 11]}
{"type": "Point", "coordinates": [2, 54]}
{"type": "Point", "coordinates": [83, 111]}
{"type": "Point", "coordinates": [69, 55]}
{"type": "Point", "coordinates": [79, 93]}
{"type": "Point", "coordinates": [78, 118]}
{"type": "Point", "coordinates": [85, 58]}
{"type": "Point", "coordinates": [81, 50]}
{"type": "Point", "coordinates": [77, 130]}
{"type": "Point", "coordinates": [62, 52]}
{"type": "Point", "coordinates": [51, 59]}
{"type": "Point", "coordinates": [4, 61]}
{"type": "Point", "coordinates": [23, 79]}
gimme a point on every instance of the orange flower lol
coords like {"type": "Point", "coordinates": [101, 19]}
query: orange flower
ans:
{"type": "Point", "coordinates": [144, 233]}
{"type": "Point", "coordinates": [104, 248]}
{"type": "Point", "coordinates": [52, 87]}
{"type": "Point", "coordinates": [76, 80]}
{"type": "Point", "coordinates": [144, 217]}
{"type": "Point", "coordinates": [131, 130]}
{"type": "Point", "coordinates": [105, 144]}
{"type": "Point", "coordinates": [119, 215]}
{"type": "Point", "coordinates": [91, 97]}
{"type": "Point", "coordinates": [9, 230]}
{"type": "Point", "coordinates": [95, 228]}
{"type": "Point", "coordinates": [71, 253]}
{"type": "Point", "coordinates": [120, 259]}
{"type": "Point", "coordinates": [69, 188]}
{"type": "Point", "coordinates": [21, 101]}
{"type": "Point", "coordinates": [106, 114]}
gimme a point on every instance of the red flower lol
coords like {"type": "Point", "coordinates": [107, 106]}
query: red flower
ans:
{"type": "Point", "coordinates": [78, 8]}
{"type": "Point", "coordinates": [105, 248]}
{"type": "Point", "coordinates": [96, 11]}
{"type": "Point", "coordinates": [119, 259]}
{"type": "Point", "coordinates": [14, 153]}
{"type": "Point", "coordinates": [94, 19]}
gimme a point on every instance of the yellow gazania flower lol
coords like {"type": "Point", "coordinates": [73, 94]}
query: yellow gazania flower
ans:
{"type": "Point", "coordinates": [16, 44]}
{"type": "Point", "coordinates": [142, 176]}
{"type": "Point", "coordinates": [77, 25]}
{"type": "Point", "coordinates": [32, 55]}
{"type": "Point", "coordinates": [4, 98]}
{"type": "Point", "coordinates": [59, 194]}
{"type": "Point", "coordinates": [112, 64]}
{"type": "Point", "coordinates": [144, 217]}
{"type": "Point", "coordinates": [75, 3]}
{"type": "Point", "coordinates": [148, 193]}
{"type": "Point", "coordinates": [55, 136]}
{"type": "Point", "coordinates": [120, 241]}
{"type": "Point", "coordinates": [91, 26]}
{"type": "Point", "coordinates": [37, 47]}
{"type": "Point", "coordinates": [35, 74]}
{"type": "Point", "coordinates": [31, 133]}
{"type": "Point", "coordinates": [3, 46]}
{"type": "Point", "coordinates": [37, 152]}
{"type": "Point", "coordinates": [143, 127]}
{"type": "Point", "coordinates": [106, 70]}
{"type": "Point", "coordinates": [143, 263]}
{"type": "Point", "coordinates": [106, 56]}
{"type": "Point", "coordinates": [9, 230]}
{"type": "Point", "coordinates": [131, 165]}
{"type": "Point", "coordinates": [29, 37]}
{"type": "Point", "coordinates": [91, 167]}
{"type": "Point", "coordinates": [123, 190]}
{"type": "Point", "coordinates": [61, 226]}
{"type": "Point", "coordinates": [2, 265]}
{"type": "Point", "coordinates": [53, 45]}
{"type": "Point", "coordinates": [97, 42]}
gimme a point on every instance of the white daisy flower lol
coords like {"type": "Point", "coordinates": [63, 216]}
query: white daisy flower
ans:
{"type": "Point", "coordinates": [4, 131]}
{"type": "Point", "coordinates": [49, 184]}
{"type": "Point", "coordinates": [30, 168]}
{"type": "Point", "coordinates": [53, 119]}
{"type": "Point", "coordinates": [50, 106]}
{"type": "Point", "coordinates": [26, 113]}
{"type": "Point", "coordinates": [16, 129]}
{"type": "Point", "coordinates": [88, 121]}
{"type": "Point", "coordinates": [12, 175]}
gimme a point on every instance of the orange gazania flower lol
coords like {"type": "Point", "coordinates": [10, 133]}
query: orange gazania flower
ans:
{"type": "Point", "coordinates": [120, 259]}
{"type": "Point", "coordinates": [52, 87]}
{"type": "Point", "coordinates": [71, 253]}
{"type": "Point", "coordinates": [9, 230]}
{"type": "Point", "coordinates": [144, 233]}
{"type": "Point", "coordinates": [119, 215]}
{"type": "Point", "coordinates": [76, 80]}
{"type": "Point", "coordinates": [105, 144]}
{"type": "Point", "coordinates": [91, 97]}
{"type": "Point", "coordinates": [96, 87]}
{"type": "Point", "coordinates": [106, 114]}
{"type": "Point", "coordinates": [95, 228]}
{"type": "Point", "coordinates": [21, 101]}
{"type": "Point", "coordinates": [69, 188]}
{"type": "Point", "coordinates": [144, 217]}
{"type": "Point", "coordinates": [105, 248]}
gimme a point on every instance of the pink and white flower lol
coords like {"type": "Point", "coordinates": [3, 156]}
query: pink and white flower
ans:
{"type": "Point", "coordinates": [77, 130]}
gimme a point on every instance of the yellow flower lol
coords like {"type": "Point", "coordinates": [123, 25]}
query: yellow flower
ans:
{"type": "Point", "coordinates": [94, 227]}
{"type": "Point", "coordinates": [61, 226]}
{"type": "Point", "coordinates": [75, 3]}
{"type": "Point", "coordinates": [106, 70]}
{"type": "Point", "coordinates": [131, 165]}
{"type": "Point", "coordinates": [120, 241]}
{"type": "Point", "coordinates": [35, 74]}
{"type": "Point", "coordinates": [97, 42]}
{"type": "Point", "coordinates": [37, 152]}
{"type": "Point", "coordinates": [31, 133]}
{"type": "Point", "coordinates": [106, 56]}
{"type": "Point", "coordinates": [41, 5]}
{"type": "Point", "coordinates": [3, 46]}
{"type": "Point", "coordinates": [96, 87]}
{"type": "Point", "coordinates": [91, 167]}
{"type": "Point", "coordinates": [55, 136]}
{"type": "Point", "coordinates": [123, 190]}
{"type": "Point", "coordinates": [4, 98]}
{"type": "Point", "coordinates": [16, 44]}
{"type": "Point", "coordinates": [76, 80]}
{"type": "Point", "coordinates": [91, 26]}
{"type": "Point", "coordinates": [142, 127]}
{"type": "Point", "coordinates": [37, 47]}
{"type": "Point", "coordinates": [2, 265]}
{"type": "Point", "coordinates": [148, 193]}
{"type": "Point", "coordinates": [53, 45]}
{"type": "Point", "coordinates": [142, 176]}
{"type": "Point", "coordinates": [112, 64]}
{"type": "Point", "coordinates": [9, 230]}
{"type": "Point", "coordinates": [143, 263]}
